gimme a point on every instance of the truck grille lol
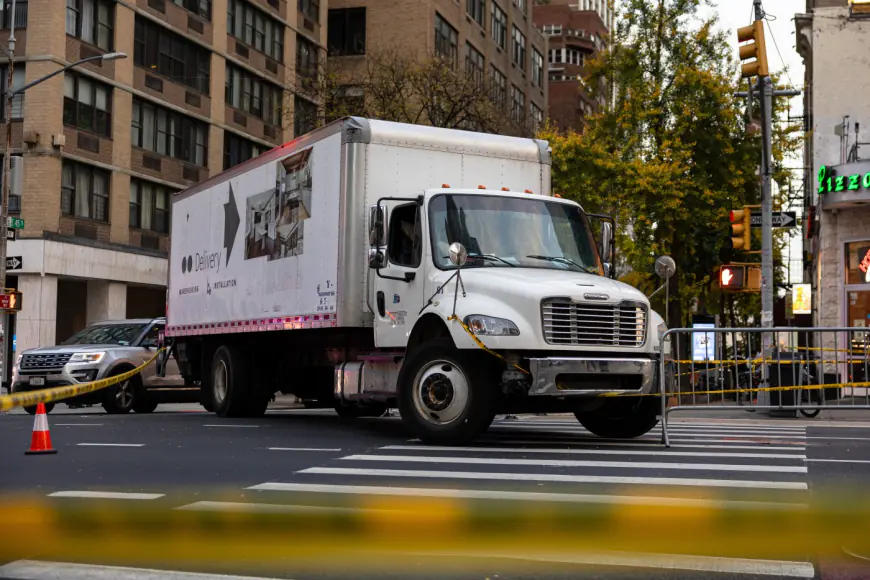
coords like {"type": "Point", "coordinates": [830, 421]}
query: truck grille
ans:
{"type": "Point", "coordinates": [587, 324]}
{"type": "Point", "coordinates": [44, 362]}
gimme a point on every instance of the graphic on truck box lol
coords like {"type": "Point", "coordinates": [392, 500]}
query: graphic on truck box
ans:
{"type": "Point", "coordinates": [275, 218]}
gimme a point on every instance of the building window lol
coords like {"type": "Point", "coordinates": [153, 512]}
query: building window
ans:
{"type": "Point", "coordinates": [347, 32]}
{"type": "Point", "coordinates": [91, 21]}
{"type": "Point", "coordinates": [201, 8]}
{"type": "Point", "coordinates": [521, 4]}
{"type": "Point", "coordinates": [304, 116]}
{"type": "Point", "coordinates": [14, 200]}
{"type": "Point", "coordinates": [20, 14]}
{"type": "Point", "coordinates": [256, 29]}
{"type": "Point", "coordinates": [552, 29]}
{"type": "Point", "coordinates": [238, 149]}
{"type": "Point", "coordinates": [499, 26]}
{"type": "Point", "coordinates": [168, 133]}
{"type": "Point", "coordinates": [87, 105]}
{"type": "Point", "coordinates": [446, 40]}
{"type": "Point", "coordinates": [518, 105]}
{"type": "Point", "coordinates": [306, 58]}
{"type": "Point", "coordinates": [169, 54]}
{"type": "Point", "coordinates": [519, 48]}
{"type": "Point", "coordinates": [253, 95]}
{"type": "Point", "coordinates": [537, 116]}
{"type": "Point", "coordinates": [84, 191]}
{"type": "Point", "coordinates": [477, 10]}
{"type": "Point", "coordinates": [474, 63]}
{"type": "Point", "coordinates": [537, 68]}
{"type": "Point", "coordinates": [310, 9]}
{"type": "Point", "coordinates": [149, 206]}
{"type": "Point", "coordinates": [498, 87]}
{"type": "Point", "coordinates": [17, 83]}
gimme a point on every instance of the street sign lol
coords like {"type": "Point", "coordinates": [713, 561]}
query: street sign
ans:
{"type": "Point", "coordinates": [11, 301]}
{"type": "Point", "coordinates": [11, 235]}
{"type": "Point", "coordinates": [15, 223]}
{"type": "Point", "coordinates": [781, 219]}
{"type": "Point", "coordinates": [14, 263]}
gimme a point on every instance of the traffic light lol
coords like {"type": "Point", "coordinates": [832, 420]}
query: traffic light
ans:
{"type": "Point", "coordinates": [756, 50]}
{"type": "Point", "coordinates": [732, 277]}
{"type": "Point", "coordinates": [741, 228]}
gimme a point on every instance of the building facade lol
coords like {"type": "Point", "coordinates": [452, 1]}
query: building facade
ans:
{"type": "Point", "coordinates": [495, 38]}
{"type": "Point", "coordinates": [106, 144]}
{"type": "Point", "coordinates": [575, 36]}
{"type": "Point", "coordinates": [832, 38]}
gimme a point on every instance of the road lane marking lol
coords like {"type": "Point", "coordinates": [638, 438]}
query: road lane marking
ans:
{"type": "Point", "coordinates": [671, 428]}
{"type": "Point", "coordinates": [642, 560]}
{"type": "Point", "coordinates": [33, 570]}
{"type": "Point", "coordinates": [105, 495]}
{"type": "Point", "coordinates": [304, 449]}
{"type": "Point", "coordinates": [263, 508]}
{"type": "Point", "coordinates": [77, 425]}
{"type": "Point", "coordinates": [573, 463]}
{"type": "Point", "coordinates": [555, 477]}
{"type": "Point", "coordinates": [110, 444]}
{"type": "Point", "coordinates": [234, 426]}
{"type": "Point", "coordinates": [651, 445]}
{"type": "Point", "coordinates": [591, 451]}
{"type": "Point", "coordinates": [840, 460]}
{"type": "Point", "coordinates": [518, 496]}
{"type": "Point", "coordinates": [671, 425]}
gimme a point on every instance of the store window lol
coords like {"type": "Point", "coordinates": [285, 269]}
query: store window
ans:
{"type": "Point", "coordinates": [858, 275]}
{"type": "Point", "coordinates": [858, 262]}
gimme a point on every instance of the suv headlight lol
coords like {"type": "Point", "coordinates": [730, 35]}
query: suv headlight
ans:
{"type": "Point", "coordinates": [18, 360]}
{"type": "Point", "coordinates": [491, 326]}
{"type": "Point", "coordinates": [86, 357]}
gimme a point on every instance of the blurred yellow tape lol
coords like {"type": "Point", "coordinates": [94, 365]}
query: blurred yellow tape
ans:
{"type": "Point", "coordinates": [362, 527]}
{"type": "Point", "coordinates": [31, 398]}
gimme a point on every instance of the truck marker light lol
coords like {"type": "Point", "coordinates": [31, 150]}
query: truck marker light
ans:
{"type": "Point", "coordinates": [481, 187]}
{"type": "Point", "coordinates": [528, 191]}
{"type": "Point", "coordinates": [557, 195]}
{"type": "Point", "coordinates": [505, 189]}
{"type": "Point", "coordinates": [445, 186]}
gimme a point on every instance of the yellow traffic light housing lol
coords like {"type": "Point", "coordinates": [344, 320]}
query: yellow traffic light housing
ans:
{"type": "Point", "coordinates": [741, 229]}
{"type": "Point", "coordinates": [756, 50]}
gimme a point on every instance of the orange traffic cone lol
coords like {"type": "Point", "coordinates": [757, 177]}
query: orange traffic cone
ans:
{"type": "Point", "coordinates": [40, 441]}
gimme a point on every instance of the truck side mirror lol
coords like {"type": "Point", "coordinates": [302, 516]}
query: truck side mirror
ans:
{"type": "Point", "coordinates": [606, 248]}
{"type": "Point", "coordinates": [377, 259]}
{"type": "Point", "coordinates": [378, 226]}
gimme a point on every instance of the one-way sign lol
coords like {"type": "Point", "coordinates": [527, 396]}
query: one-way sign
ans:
{"type": "Point", "coordinates": [781, 219]}
{"type": "Point", "coordinates": [11, 234]}
{"type": "Point", "coordinates": [14, 262]}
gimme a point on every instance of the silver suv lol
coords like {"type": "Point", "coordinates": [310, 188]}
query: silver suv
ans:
{"type": "Point", "coordinates": [103, 350]}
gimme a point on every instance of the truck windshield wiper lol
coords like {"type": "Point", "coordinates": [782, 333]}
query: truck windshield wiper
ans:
{"type": "Point", "coordinates": [489, 257]}
{"type": "Point", "coordinates": [564, 260]}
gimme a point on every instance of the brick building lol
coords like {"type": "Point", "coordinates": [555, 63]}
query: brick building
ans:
{"type": "Point", "coordinates": [496, 38]}
{"type": "Point", "coordinates": [575, 36]}
{"type": "Point", "coordinates": [105, 145]}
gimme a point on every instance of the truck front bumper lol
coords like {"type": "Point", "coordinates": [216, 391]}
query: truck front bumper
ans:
{"type": "Point", "coordinates": [563, 376]}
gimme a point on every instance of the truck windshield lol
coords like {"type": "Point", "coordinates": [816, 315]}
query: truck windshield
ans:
{"type": "Point", "coordinates": [505, 232]}
{"type": "Point", "coordinates": [119, 334]}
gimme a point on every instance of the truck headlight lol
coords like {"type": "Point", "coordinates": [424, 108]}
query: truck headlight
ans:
{"type": "Point", "coordinates": [491, 326]}
{"type": "Point", "coordinates": [86, 357]}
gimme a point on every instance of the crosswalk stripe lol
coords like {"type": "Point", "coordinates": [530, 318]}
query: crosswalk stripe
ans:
{"type": "Point", "coordinates": [671, 425]}
{"type": "Point", "coordinates": [594, 452]}
{"type": "Point", "coordinates": [573, 463]}
{"type": "Point", "coordinates": [557, 478]}
{"type": "Point", "coordinates": [554, 438]}
{"type": "Point", "coordinates": [633, 443]}
{"type": "Point", "coordinates": [518, 496]}
{"type": "Point", "coordinates": [674, 431]}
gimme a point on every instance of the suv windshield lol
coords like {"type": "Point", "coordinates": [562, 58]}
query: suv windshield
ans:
{"type": "Point", "coordinates": [505, 232]}
{"type": "Point", "coordinates": [120, 334]}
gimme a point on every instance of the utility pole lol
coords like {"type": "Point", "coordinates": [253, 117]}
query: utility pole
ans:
{"type": "Point", "coordinates": [7, 155]}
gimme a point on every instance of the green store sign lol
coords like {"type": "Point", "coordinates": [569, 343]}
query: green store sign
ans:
{"type": "Point", "coordinates": [835, 183]}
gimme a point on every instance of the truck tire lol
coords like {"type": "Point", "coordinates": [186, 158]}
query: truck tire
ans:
{"type": "Point", "coordinates": [256, 406]}
{"type": "Point", "coordinates": [228, 376]}
{"type": "Point", "coordinates": [624, 418]}
{"type": "Point", "coordinates": [446, 396]}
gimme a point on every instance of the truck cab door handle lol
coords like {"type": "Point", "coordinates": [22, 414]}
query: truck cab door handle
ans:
{"type": "Point", "coordinates": [382, 305]}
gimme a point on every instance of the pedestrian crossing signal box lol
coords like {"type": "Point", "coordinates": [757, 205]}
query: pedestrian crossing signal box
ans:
{"type": "Point", "coordinates": [10, 301]}
{"type": "Point", "coordinates": [739, 278]}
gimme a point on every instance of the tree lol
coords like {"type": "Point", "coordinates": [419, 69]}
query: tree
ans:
{"type": "Point", "coordinates": [423, 90]}
{"type": "Point", "coordinates": [673, 155]}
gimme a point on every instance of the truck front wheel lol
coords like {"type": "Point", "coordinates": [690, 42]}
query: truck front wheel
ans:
{"type": "Point", "coordinates": [228, 393]}
{"type": "Point", "coordinates": [622, 418]}
{"type": "Point", "coordinates": [446, 396]}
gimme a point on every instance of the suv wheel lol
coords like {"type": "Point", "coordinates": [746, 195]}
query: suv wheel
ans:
{"type": "Point", "coordinates": [120, 398]}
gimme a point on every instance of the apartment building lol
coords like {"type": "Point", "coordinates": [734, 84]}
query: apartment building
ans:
{"type": "Point", "coordinates": [495, 38]}
{"type": "Point", "coordinates": [577, 32]}
{"type": "Point", "coordinates": [106, 144]}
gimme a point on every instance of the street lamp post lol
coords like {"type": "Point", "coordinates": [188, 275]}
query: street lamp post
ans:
{"type": "Point", "coordinates": [7, 155]}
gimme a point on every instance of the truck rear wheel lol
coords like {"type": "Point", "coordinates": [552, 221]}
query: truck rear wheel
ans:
{"type": "Point", "coordinates": [228, 392]}
{"type": "Point", "coordinates": [446, 396]}
{"type": "Point", "coordinates": [622, 418]}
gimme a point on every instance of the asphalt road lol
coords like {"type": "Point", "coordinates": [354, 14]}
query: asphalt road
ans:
{"type": "Point", "coordinates": [182, 457]}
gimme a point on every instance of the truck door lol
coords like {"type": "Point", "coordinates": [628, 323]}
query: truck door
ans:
{"type": "Point", "coordinates": [397, 260]}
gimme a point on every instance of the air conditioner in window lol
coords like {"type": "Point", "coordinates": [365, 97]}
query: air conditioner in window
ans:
{"type": "Point", "coordinates": [58, 139]}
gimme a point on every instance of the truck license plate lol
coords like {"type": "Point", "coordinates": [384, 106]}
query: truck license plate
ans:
{"type": "Point", "coordinates": [37, 381]}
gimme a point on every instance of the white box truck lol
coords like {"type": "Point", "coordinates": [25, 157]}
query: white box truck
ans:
{"type": "Point", "coordinates": [371, 264]}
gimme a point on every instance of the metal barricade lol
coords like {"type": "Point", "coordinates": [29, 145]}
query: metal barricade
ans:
{"type": "Point", "coordinates": [804, 370]}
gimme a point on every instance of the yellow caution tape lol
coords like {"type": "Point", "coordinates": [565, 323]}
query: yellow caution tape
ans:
{"type": "Point", "coordinates": [479, 343]}
{"type": "Point", "coordinates": [31, 398]}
